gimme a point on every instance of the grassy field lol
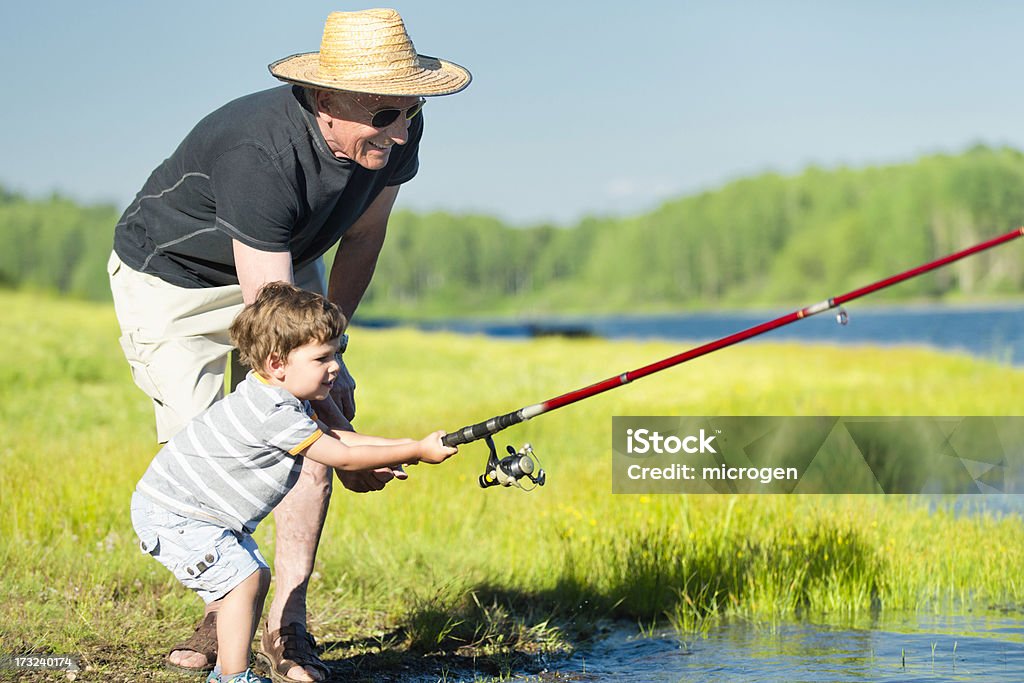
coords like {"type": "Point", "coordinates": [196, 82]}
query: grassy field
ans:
{"type": "Point", "coordinates": [435, 572]}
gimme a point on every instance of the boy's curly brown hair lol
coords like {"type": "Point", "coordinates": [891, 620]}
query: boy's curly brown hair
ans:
{"type": "Point", "coordinates": [280, 320]}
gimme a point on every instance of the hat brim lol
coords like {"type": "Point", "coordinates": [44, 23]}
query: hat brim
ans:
{"type": "Point", "coordinates": [432, 77]}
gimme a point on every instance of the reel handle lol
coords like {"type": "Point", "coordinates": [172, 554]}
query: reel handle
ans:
{"type": "Point", "coordinates": [510, 470]}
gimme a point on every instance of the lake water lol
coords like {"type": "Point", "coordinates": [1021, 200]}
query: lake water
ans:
{"type": "Point", "coordinates": [994, 332]}
{"type": "Point", "coordinates": [985, 649]}
{"type": "Point", "coordinates": [918, 649]}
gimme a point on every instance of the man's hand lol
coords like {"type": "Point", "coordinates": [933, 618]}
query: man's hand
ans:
{"type": "Point", "coordinates": [344, 392]}
{"type": "Point", "coordinates": [364, 482]}
{"type": "Point", "coordinates": [359, 482]}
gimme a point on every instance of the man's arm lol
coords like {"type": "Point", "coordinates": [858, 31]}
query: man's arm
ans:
{"type": "Point", "coordinates": [256, 268]}
{"type": "Point", "coordinates": [357, 255]}
{"type": "Point", "coordinates": [350, 275]}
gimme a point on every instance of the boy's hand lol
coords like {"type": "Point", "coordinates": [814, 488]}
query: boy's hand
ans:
{"type": "Point", "coordinates": [432, 451]}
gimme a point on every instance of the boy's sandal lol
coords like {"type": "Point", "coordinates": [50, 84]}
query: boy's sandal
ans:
{"type": "Point", "coordinates": [290, 646]}
{"type": "Point", "coordinates": [203, 640]}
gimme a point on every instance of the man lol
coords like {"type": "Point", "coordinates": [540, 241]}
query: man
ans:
{"type": "Point", "coordinates": [258, 192]}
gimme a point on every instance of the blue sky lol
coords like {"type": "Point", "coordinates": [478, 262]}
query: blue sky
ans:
{"type": "Point", "coordinates": [577, 108]}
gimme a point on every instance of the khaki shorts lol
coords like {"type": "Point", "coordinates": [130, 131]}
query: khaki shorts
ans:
{"type": "Point", "coordinates": [176, 339]}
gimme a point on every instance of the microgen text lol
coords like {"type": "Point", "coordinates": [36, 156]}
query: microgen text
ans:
{"type": "Point", "coordinates": [765, 475]}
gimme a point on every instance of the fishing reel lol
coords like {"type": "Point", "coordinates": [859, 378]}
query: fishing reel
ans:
{"type": "Point", "coordinates": [513, 468]}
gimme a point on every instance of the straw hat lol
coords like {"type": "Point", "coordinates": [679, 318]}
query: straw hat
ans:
{"type": "Point", "coordinates": [370, 52]}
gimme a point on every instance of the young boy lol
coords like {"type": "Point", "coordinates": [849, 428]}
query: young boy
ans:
{"type": "Point", "coordinates": [197, 505]}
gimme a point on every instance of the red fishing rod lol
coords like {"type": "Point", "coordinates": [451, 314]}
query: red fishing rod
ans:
{"type": "Point", "coordinates": [517, 465]}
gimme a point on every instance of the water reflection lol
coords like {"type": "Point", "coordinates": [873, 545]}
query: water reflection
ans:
{"type": "Point", "coordinates": [965, 648]}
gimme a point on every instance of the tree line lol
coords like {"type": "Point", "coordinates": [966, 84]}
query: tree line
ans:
{"type": "Point", "coordinates": [765, 240]}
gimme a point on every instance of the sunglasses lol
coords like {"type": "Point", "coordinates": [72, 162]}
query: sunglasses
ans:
{"type": "Point", "coordinates": [382, 118]}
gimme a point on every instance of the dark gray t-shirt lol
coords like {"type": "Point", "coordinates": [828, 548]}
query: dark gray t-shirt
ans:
{"type": "Point", "coordinates": [257, 170]}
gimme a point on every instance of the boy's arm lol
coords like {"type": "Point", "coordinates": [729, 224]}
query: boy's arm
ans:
{"type": "Point", "coordinates": [357, 439]}
{"type": "Point", "coordinates": [351, 438]}
{"type": "Point", "coordinates": [331, 451]}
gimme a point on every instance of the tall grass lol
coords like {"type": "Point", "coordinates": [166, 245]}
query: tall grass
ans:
{"type": "Point", "coordinates": [435, 563]}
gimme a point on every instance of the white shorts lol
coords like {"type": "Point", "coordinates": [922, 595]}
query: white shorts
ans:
{"type": "Point", "coordinates": [176, 339]}
{"type": "Point", "coordinates": [207, 558]}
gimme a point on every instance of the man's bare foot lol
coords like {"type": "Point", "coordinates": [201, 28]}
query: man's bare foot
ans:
{"type": "Point", "coordinates": [199, 652]}
{"type": "Point", "coordinates": [291, 651]}
{"type": "Point", "coordinates": [187, 659]}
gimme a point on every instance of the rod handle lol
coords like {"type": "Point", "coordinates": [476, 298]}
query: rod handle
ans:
{"type": "Point", "coordinates": [481, 429]}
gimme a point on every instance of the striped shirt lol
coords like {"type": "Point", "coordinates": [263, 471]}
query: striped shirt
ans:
{"type": "Point", "coordinates": [234, 462]}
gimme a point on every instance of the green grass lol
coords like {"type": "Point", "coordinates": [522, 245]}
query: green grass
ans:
{"type": "Point", "coordinates": [434, 568]}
